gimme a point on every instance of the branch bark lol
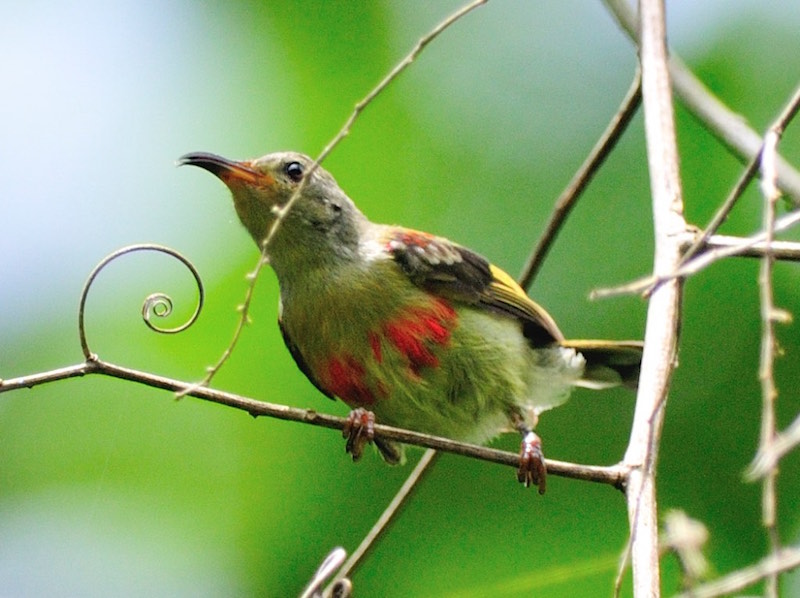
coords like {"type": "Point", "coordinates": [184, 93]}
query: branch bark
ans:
{"type": "Point", "coordinates": [785, 560]}
{"type": "Point", "coordinates": [581, 179]}
{"type": "Point", "coordinates": [663, 316]}
{"type": "Point", "coordinates": [613, 475]}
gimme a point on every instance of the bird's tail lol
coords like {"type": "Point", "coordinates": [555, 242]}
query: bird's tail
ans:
{"type": "Point", "coordinates": [608, 363]}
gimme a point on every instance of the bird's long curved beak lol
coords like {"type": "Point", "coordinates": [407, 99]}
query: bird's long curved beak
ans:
{"type": "Point", "coordinates": [229, 171]}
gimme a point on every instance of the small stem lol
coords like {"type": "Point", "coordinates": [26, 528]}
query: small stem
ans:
{"type": "Point", "coordinates": [766, 370]}
{"type": "Point", "coordinates": [574, 189]}
{"type": "Point", "coordinates": [769, 315]}
{"type": "Point", "coordinates": [720, 247]}
{"type": "Point", "coordinates": [785, 560]}
{"type": "Point", "coordinates": [388, 515]}
{"type": "Point", "coordinates": [72, 371]}
{"type": "Point", "coordinates": [786, 116]}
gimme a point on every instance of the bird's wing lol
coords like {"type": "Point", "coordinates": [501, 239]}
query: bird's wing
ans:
{"type": "Point", "coordinates": [461, 275]}
{"type": "Point", "coordinates": [298, 359]}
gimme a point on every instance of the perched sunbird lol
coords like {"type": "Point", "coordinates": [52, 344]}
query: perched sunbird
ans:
{"type": "Point", "coordinates": [407, 328]}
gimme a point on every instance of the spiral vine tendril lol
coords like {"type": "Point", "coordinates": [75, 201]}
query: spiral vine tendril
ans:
{"type": "Point", "coordinates": [158, 305]}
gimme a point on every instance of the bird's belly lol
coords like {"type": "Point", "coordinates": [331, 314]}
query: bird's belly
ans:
{"type": "Point", "coordinates": [485, 372]}
{"type": "Point", "coordinates": [454, 372]}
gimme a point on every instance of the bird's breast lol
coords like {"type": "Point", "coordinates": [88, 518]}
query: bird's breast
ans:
{"type": "Point", "coordinates": [364, 342]}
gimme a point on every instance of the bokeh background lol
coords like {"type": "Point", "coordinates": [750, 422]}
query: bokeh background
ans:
{"type": "Point", "coordinates": [110, 488]}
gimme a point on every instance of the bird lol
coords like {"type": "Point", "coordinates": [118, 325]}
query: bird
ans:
{"type": "Point", "coordinates": [407, 328]}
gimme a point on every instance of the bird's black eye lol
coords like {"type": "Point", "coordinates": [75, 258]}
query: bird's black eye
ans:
{"type": "Point", "coordinates": [294, 170]}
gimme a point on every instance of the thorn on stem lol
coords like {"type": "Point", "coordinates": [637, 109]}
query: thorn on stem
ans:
{"type": "Point", "coordinates": [780, 316]}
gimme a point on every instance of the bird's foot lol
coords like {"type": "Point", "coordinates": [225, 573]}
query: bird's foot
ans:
{"type": "Point", "coordinates": [532, 469]}
{"type": "Point", "coordinates": [359, 431]}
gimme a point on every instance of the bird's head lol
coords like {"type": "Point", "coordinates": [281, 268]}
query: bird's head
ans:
{"type": "Point", "coordinates": [321, 222]}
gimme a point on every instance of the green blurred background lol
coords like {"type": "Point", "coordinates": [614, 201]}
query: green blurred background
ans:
{"type": "Point", "coordinates": [109, 488]}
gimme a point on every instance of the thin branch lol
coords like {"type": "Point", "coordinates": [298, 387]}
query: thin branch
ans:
{"type": "Point", "coordinates": [72, 371]}
{"type": "Point", "coordinates": [244, 320]}
{"type": "Point", "coordinates": [613, 475]}
{"type": "Point", "coordinates": [787, 114]}
{"type": "Point", "coordinates": [389, 513]}
{"type": "Point", "coordinates": [785, 560]}
{"type": "Point", "coordinates": [395, 72]}
{"type": "Point", "coordinates": [280, 212]}
{"type": "Point", "coordinates": [724, 210]}
{"type": "Point", "coordinates": [622, 566]}
{"type": "Point", "coordinates": [721, 247]}
{"type": "Point", "coordinates": [574, 189]}
{"type": "Point", "coordinates": [786, 251]}
{"type": "Point", "coordinates": [766, 373]}
{"type": "Point", "coordinates": [729, 127]}
{"type": "Point", "coordinates": [703, 240]}
{"type": "Point", "coordinates": [767, 457]}
{"type": "Point", "coordinates": [663, 315]}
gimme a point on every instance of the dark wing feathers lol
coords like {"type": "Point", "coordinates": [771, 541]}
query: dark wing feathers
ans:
{"type": "Point", "coordinates": [439, 266]}
{"type": "Point", "coordinates": [609, 363]}
{"type": "Point", "coordinates": [298, 359]}
{"type": "Point", "coordinates": [456, 273]}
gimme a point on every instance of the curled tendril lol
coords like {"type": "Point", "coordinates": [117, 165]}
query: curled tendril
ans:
{"type": "Point", "coordinates": [157, 305]}
{"type": "Point", "coordinates": [328, 567]}
{"type": "Point", "coordinates": [160, 306]}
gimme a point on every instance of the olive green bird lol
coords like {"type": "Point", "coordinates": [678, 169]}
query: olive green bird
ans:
{"type": "Point", "coordinates": [407, 328]}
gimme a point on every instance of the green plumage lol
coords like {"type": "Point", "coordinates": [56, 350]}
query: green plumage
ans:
{"type": "Point", "coordinates": [424, 333]}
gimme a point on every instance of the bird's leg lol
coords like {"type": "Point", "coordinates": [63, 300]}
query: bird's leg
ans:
{"type": "Point", "coordinates": [532, 469]}
{"type": "Point", "coordinates": [359, 431]}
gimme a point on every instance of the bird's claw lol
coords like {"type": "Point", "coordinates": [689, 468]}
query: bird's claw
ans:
{"type": "Point", "coordinates": [532, 469]}
{"type": "Point", "coordinates": [359, 431]}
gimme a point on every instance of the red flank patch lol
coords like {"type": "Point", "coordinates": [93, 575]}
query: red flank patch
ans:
{"type": "Point", "coordinates": [415, 333]}
{"type": "Point", "coordinates": [417, 330]}
{"type": "Point", "coordinates": [375, 343]}
{"type": "Point", "coordinates": [345, 378]}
